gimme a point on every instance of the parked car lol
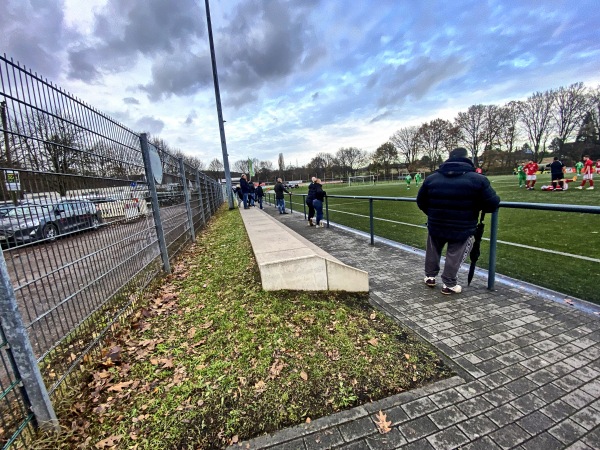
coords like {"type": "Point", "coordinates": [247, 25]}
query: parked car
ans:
{"type": "Point", "coordinates": [31, 222]}
{"type": "Point", "coordinates": [5, 209]}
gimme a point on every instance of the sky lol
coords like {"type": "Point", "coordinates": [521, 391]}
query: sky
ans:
{"type": "Point", "coordinates": [300, 77]}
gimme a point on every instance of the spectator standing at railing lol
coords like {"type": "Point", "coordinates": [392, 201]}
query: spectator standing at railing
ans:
{"type": "Point", "coordinates": [452, 198]}
{"type": "Point", "coordinates": [309, 200]}
{"type": "Point", "coordinates": [252, 194]}
{"type": "Point", "coordinates": [320, 195]}
{"type": "Point", "coordinates": [279, 198]}
{"type": "Point", "coordinates": [245, 187]}
{"type": "Point", "coordinates": [259, 195]}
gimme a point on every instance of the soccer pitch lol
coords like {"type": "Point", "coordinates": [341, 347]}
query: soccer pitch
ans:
{"type": "Point", "coordinates": [556, 250]}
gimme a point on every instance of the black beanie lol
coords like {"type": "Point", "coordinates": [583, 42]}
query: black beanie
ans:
{"type": "Point", "coordinates": [459, 152]}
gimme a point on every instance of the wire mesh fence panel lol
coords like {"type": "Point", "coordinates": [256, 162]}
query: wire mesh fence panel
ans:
{"type": "Point", "coordinates": [77, 226]}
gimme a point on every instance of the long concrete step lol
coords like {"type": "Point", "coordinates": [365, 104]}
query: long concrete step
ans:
{"type": "Point", "coordinates": [286, 260]}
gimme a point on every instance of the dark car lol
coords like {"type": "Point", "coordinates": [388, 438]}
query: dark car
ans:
{"type": "Point", "coordinates": [30, 223]}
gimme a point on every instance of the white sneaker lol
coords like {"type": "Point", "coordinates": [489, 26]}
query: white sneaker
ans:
{"type": "Point", "coordinates": [591, 188]}
{"type": "Point", "coordinates": [579, 187]}
{"type": "Point", "coordinates": [451, 290]}
{"type": "Point", "coordinates": [429, 281]}
{"type": "Point", "coordinates": [322, 225]}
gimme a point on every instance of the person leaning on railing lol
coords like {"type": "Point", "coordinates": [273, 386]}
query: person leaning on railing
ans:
{"type": "Point", "coordinates": [320, 195]}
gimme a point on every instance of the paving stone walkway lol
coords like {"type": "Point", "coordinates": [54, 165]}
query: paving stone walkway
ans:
{"type": "Point", "coordinates": [528, 367]}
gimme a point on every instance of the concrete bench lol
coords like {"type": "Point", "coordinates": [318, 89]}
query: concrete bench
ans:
{"type": "Point", "coordinates": [286, 260]}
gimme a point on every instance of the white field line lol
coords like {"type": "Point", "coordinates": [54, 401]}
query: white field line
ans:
{"type": "Point", "coordinates": [529, 247]}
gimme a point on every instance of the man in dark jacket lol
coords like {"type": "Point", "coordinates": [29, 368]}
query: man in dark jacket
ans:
{"type": "Point", "coordinates": [280, 200]}
{"type": "Point", "coordinates": [259, 195]}
{"type": "Point", "coordinates": [245, 187]}
{"type": "Point", "coordinates": [452, 197]}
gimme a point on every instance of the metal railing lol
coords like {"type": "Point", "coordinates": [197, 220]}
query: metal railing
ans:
{"type": "Point", "coordinates": [493, 221]}
{"type": "Point", "coordinates": [91, 213]}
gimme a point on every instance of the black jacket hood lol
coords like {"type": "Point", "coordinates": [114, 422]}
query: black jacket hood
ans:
{"type": "Point", "coordinates": [454, 167]}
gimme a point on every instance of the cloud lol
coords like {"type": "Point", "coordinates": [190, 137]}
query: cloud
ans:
{"type": "Point", "coordinates": [131, 101]}
{"type": "Point", "coordinates": [34, 33]}
{"type": "Point", "coordinates": [179, 74]}
{"type": "Point", "coordinates": [190, 117]}
{"type": "Point", "coordinates": [148, 124]}
{"type": "Point", "coordinates": [124, 30]}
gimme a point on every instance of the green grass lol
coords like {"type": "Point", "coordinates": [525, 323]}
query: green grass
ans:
{"type": "Point", "coordinates": [572, 233]}
{"type": "Point", "coordinates": [210, 358]}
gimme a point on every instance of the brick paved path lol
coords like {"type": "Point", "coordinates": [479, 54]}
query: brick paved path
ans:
{"type": "Point", "coordinates": [528, 368]}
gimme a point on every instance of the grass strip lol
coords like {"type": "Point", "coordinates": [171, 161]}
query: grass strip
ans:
{"type": "Point", "coordinates": [211, 359]}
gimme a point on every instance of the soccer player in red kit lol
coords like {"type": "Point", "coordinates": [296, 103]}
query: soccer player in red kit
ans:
{"type": "Point", "coordinates": [588, 172]}
{"type": "Point", "coordinates": [530, 170]}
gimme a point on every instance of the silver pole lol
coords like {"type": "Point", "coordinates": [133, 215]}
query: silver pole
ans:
{"type": "Point", "coordinates": [22, 354]}
{"type": "Point", "coordinates": [186, 195]}
{"type": "Point", "coordinates": [219, 110]}
{"type": "Point", "coordinates": [160, 234]}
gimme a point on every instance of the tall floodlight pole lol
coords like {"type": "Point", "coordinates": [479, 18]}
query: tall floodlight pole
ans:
{"type": "Point", "coordinates": [219, 110]}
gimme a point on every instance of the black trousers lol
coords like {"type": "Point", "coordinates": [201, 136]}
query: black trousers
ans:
{"type": "Point", "coordinates": [311, 208]}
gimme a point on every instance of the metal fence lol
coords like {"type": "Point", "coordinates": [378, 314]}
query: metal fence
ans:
{"type": "Point", "coordinates": [90, 213]}
{"type": "Point", "coordinates": [366, 221]}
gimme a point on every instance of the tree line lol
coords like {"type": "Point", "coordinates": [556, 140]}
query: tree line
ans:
{"type": "Point", "coordinates": [563, 122]}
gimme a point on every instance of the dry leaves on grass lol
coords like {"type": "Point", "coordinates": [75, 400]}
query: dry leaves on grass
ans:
{"type": "Point", "coordinates": [110, 441]}
{"type": "Point", "coordinates": [383, 425]}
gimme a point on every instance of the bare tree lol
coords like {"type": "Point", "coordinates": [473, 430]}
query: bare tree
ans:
{"type": "Point", "coordinates": [472, 126]}
{"type": "Point", "coordinates": [241, 165]}
{"type": "Point", "coordinates": [432, 137]}
{"type": "Point", "coordinates": [509, 131]}
{"type": "Point", "coordinates": [351, 158]}
{"type": "Point", "coordinates": [569, 110]}
{"type": "Point", "coordinates": [215, 165]}
{"type": "Point", "coordinates": [535, 113]}
{"type": "Point", "coordinates": [316, 166]}
{"type": "Point", "coordinates": [329, 163]}
{"type": "Point", "coordinates": [385, 155]}
{"type": "Point", "coordinates": [265, 169]}
{"type": "Point", "coordinates": [406, 141]}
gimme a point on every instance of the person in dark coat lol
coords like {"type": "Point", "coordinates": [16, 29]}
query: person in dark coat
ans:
{"type": "Point", "coordinates": [252, 194]}
{"type": "Point", "coordinates": [557, 173]}
{"type": "Point", "coordinates": [245, 187]}
{"type": "Point", "coordinates": [452, 198]}
{"type": "Point", "coordinates": [320, 195]}
{"type": "Point", "coordinates": [259, 195]}
{"type": "Point", "coordinates": [280, 200]}
{"type": "Point", "coordinates": [312, 187]}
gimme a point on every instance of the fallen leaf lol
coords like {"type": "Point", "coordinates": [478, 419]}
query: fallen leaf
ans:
{"type": "Point", "coordinates": [407, 356]}
{"type": "Point", "coordinates": [120, 386]}
{"type": "Point", "coordinates": [308, 420]}
{"type": "Point", "coordinates": [382, 423]}
{"type": "Point", "coordinates": [191, 332]}
{"type": "Point", "coordinates": [206, 325]}
{"type": "Point", "coordinates": [109, 441]}
{"type": "Point", "coordinates": [260, 387]}
{"type": "Point", "coordinates": [235, 439]}
{"type": "Point", "coordinates": [373, 316]}
{"type": "Point", "coordinates": [373, 342]}
{"type": "Point", "coordinates": [304, 375]}
{"type": "Point", "coordinates": [568, 302]}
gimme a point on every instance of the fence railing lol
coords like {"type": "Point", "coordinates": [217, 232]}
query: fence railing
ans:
{"type": "Point", "coordinates": [493, 239]}
{"type": "Point", "coordinates": [90, 213]}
